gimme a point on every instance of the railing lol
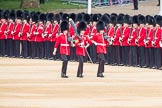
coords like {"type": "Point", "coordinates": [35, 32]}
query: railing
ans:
{"type": "Point", "coordinates": [100, 3]}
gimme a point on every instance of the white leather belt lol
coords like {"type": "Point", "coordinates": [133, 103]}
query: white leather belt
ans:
{"type": "Point", "coordinates": [101, 44]}
{"type": "Point", "coordinates": [64, 44]}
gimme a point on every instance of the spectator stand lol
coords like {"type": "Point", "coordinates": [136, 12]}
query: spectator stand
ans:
{"type": "Point", "coordinates": [100, 3]}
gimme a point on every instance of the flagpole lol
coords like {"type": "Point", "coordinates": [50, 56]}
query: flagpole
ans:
{"type": "Point", "coordinates": [89, 6]}
{"type": "Point", "coordinates": [160, 13]}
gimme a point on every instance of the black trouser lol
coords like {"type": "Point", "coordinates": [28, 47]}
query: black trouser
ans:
{"type": "Point", "coordinates": [9, 47]}
{"type": "Point", "coordinates": [110, 54]}
{"type": "Point", "coordinates": [133, 56]}
{"type": "Point", "coordinates": [141, 55]}
{"type": "Point", "coordinates": [116, 57]}
{"type": "Point", "coordinates": [101, 58]}
{"type": "Point", "coordinates": [73, 53]}
{"type": "Point", "coordinates": [64, 58]}
{"type": "Point", "coordinates": [135, 4]}
{"type": "Point", "coordinates": [93, 53]}
{"type": "Point", "coordinates": [149, 57]}
{"type": "Point", "coordinates": [24, 51]}
{"type": "Point", "coordinates": [51, 47]}
{"type": "Point", "coordinates": [33, 49]}
{"type": "Point", "coordinates": [46, 49]}
{"type": "Point", "coordinates": [16, 48]}
{"type": "Point", "coordinates": [80, 66]}
{"type": "Point", "coordinates": [158, 57]}
{"type": "Point", "coordinates": [125, 55]}
{"type": "Point", "coordinates": [40, 50]}
{"type": "Point", "coordinates": [2, 47]}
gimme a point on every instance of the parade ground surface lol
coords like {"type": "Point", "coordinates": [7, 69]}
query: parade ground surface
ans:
{"type": "Point", "coordinates": [27, 83]}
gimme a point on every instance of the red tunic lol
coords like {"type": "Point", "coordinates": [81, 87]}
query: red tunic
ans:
{"type": "Point", "coordinates": [16, 31]}
{"type": "Point", "coordinates": [150, 38]}
{"type": "Point", "coordinates": [55, 31]}
{"type": "Point", "coordinates": [25, 30]}
{"type": "Point", "coordinates": [40, 32]}
{"type": "Point", "coordinates": [64, 44]}
{"type": "Point", "coordinates": [116, 37]}
{"type": "Point", "coordinates": [134, 37]}
{"type": "Point", "coordinates": [33, 30]}
{"type": "Point", "coordinates": [2, 30]}
{"type": "Point", "coordinates": [126, 35]}
{"type": "Point", "coordinates": [10, 29]}
{"type": "Point", "coordinates": [101, 43]}
{"type": "Point", "coordinates": [157, 38]}
{"type": "Point", "coordinates": [80, 45]}
{"type": "Point", "coordinates": [141, 37]}
{"type": "Point", "coordinates": [48, 31]}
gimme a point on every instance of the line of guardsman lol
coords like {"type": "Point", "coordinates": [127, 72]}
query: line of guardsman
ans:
{"type": "Point", "coordinates": [129, 40]}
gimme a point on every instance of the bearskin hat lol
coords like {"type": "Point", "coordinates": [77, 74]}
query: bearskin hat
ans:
{"type": "Point", "coordinates": [34, 18]}
{"type": "Point", "coordinates": [127, 19]}
{"type": "Point", "coordinates": [73, 16]}
{"type": "Point", "coordinates": [49, 17]}
{"type": "Point", "coordinates": [12, 15]}
{"type": "Point", "coordinates": [64, 25]}
{"type": "Point", "coordinates": [41, 17]}
{"type": "Point", "coordinates": [120, 20]}
{"type": "Point", "coordinates": [113, 19]}
{"type": "Point", "coordinates": [159, 20]}
{"type": "Point", "coordinates": [95, 17]}
{"type": "Point", "coordinates": [26, 16]}
{"type": "Point", "coordinates": [105, 19]}
{"type": "Point", "coordinates": [87, 18]}
{"type": "Point", "coordinates": [57, 18]}
{"type": "Point", "coordinates": [114, 14]}
{"type": "Point", "coordinates": [65, 16]}
{"type": "Point", "coordinates": [151, 20]}
{"type": "Point", "coordinates": [79, 17]}
{"type": "Point", "coordinates": [141, 19]}
{"type": "Point", "coordinates": [19, 14]}
{"type": "Point", "coordinates": [81, 26]}
{"type": "Point", "coordinates": [135, 19]}
{"type": "Point", "coordinates": [100, 25]}
{"type": "Point", "coordinates": [5, 14]}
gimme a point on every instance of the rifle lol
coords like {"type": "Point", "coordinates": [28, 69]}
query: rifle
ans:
{"type": "Point", "coordinates": [79, 37]}
{"type": "Point", "coordinates": [120, 39]}
{"type": "Point", "coordinates": [130, 36]}
{"type": "Point", "coordinates": [146, 39]}
{"type": "Point", "coordinates": [153, 41]}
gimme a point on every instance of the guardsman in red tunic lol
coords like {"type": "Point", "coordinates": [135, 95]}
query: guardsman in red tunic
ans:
{"type": "Point", "coordinates": [15, 33]}
{"type": "Point", "coordinates": [10, 28]}
{"type": "Point", "coordinates": [140, 41]}
{"type": "Point", "coordinates": [93, 53]}
{"type": "Point", "coordinates": [115, 40]}
{"type": "Point", "coordinates": [62, 40]}
{"type": "Point", "coordinates": [124, 40]}
{"type": "Point", "coordinates": [156, 42]}
{"type": "Point", "coordinates": [39, 38]}
{"type": "Point", "coordinates": [148, 42]}
{"type": "Point", "coordinates": [101, 44]}
{"type": "Point", "coordinates": [32, 35]}
{"type": "Point", "coordinates": [81, 43]}
{"type": "Point", "coordinates": [55, 33]}
{"type": "Point", "coordinates": [132, 43]}
{"type": "Point", "coordinates": [47, 36]}
{"type": "Point", "coordinates": [3, 37]}
{"type": "Point", "coordinates": [23, 35]}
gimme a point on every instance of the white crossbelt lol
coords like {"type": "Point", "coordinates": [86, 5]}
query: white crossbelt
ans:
{"type": "Point", "coordinates": [101, 44]}
{"type": "Point", "coordinates": [64, 44]}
